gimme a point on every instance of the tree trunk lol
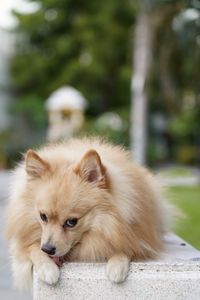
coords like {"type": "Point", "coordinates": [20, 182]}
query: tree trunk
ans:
{"type": "Point", "coordinates": [142, 56]}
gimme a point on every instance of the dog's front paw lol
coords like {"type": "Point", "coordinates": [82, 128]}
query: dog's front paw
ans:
{"type": "Point", "coordinates": [117, 268]}
{"type": "Point", "coordinates": [48, 272]}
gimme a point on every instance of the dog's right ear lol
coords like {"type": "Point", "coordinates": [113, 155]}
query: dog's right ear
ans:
{"type": "Point", "coordinates": [35, 165]}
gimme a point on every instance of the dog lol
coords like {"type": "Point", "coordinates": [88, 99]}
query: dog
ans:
{"type": "Point", "coordinates": [82, 201]}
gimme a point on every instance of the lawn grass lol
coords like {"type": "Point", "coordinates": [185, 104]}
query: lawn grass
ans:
{"type": "Point", "coordinates": [188, 199]}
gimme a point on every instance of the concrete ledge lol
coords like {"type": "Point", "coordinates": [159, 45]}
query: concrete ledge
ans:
{"type": "Point", "coordinates": [176, 275]}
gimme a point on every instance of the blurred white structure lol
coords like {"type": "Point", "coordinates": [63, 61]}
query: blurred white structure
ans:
{"type": "Point", "coordinates": [65, 108]}
{"type": "Point", "coordinates": [110, 120]}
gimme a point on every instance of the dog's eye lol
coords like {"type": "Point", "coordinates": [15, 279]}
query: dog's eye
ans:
{"type": "Point", "coordinates": [70, 222]}
{"type": "Point", "coordinates": [43, 217]}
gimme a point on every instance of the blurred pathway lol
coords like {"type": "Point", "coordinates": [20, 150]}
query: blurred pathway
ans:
{"type": "Point", "coordinates": [179, 181]}
{"type": "Point", "coordinates": [186, 180]}
{"type": "Point", "coordinates": [6, 290]}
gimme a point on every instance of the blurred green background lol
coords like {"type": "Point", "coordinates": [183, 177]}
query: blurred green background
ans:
{"type": "Point", "coordinates": [187, 198]}
{"type": "Point", "coordinates": [90, 45]}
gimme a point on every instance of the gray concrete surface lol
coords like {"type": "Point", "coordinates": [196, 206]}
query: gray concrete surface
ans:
{"type": "Point", "coordinates": [6, 290]}
{"type": "Point", "coordinates": [174, 276]}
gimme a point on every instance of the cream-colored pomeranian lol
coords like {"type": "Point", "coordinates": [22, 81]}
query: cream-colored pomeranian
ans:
{"type": "Point", "coordinates": [82, 200]}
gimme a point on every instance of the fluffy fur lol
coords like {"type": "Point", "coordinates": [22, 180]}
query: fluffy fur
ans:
{"type": "Point", "coordinates": [121, 216]}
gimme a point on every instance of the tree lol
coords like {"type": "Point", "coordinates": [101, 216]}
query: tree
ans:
{"type": "Point", "coordinates": [141, 64]}
{"type": "Point", "coordinates": [155, 21]}
{"type": "Point", "coordinates": [88, 44]}
{"type": "Point", "coordinates": [85, 44]}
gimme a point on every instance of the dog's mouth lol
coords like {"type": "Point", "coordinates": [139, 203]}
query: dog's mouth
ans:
{"type": "Point", "coordinates": [59, 260]}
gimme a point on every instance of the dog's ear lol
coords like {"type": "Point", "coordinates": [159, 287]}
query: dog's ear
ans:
{"type": "Point", "coordinates": [35, 165]}
{"type": "Point", "coordinates": [91, 168]}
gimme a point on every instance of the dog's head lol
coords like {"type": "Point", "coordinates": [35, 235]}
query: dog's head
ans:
{"type": "Point", "coordinates": [69, 198]}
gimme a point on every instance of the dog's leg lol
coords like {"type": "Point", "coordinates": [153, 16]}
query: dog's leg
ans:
{"type": "Point", "coordinates": [45, 267]}
{"type": "Point", "coordinates": [21, 267]}
{"type": "Point", "coordinates": [117, 268]}
{"type": "Point", "coordinates": [22, 273]}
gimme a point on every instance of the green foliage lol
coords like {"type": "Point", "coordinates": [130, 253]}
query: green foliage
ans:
{"type": "Point", "coordinates": [185, 126]}
{"type": "Point", "coordinates": [79, 43]}
{"type": "Point", "coordinates": [32, 110]}
{"type": "Point", "coordinates": [83, 44]}
{"type": "Point", "coordinates": [89, 45]}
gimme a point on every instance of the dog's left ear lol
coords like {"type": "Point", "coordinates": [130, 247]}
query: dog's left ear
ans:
{"type": "Point", "coordinates": [91, 168]}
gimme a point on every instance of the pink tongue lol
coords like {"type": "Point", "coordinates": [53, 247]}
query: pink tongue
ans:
{"type": "Point", "coordinates": [58, 261]}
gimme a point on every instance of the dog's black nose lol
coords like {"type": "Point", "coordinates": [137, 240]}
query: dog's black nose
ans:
{"type": "Point", "coordinates": [49, 249]}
